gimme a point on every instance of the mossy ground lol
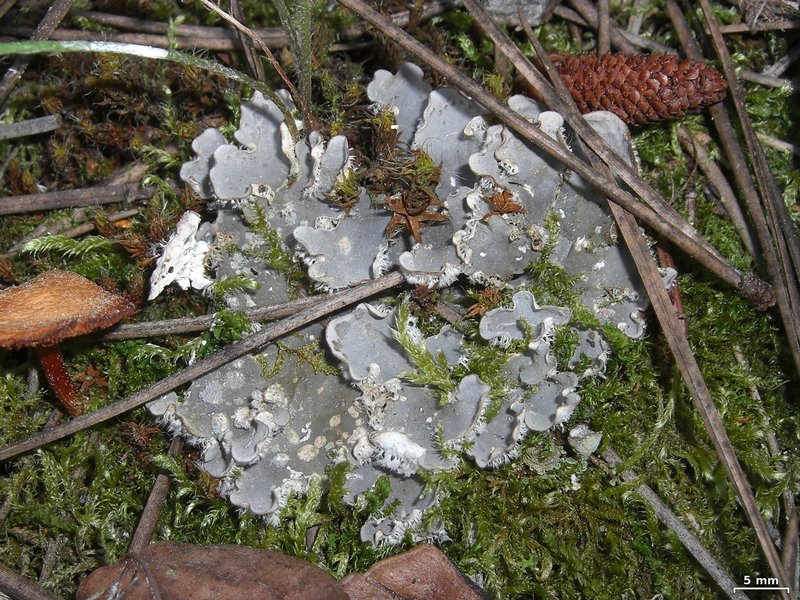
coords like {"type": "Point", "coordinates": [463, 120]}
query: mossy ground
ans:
{"type": "Point", "coordinates": [549, 524]}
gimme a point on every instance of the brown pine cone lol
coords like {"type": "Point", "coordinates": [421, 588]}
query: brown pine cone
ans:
{"type": "Point", "coordinates": [640, 88]}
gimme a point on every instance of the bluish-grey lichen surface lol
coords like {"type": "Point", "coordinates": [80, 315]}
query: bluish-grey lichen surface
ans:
{"type": "Point", "coordinates": [268, 422]}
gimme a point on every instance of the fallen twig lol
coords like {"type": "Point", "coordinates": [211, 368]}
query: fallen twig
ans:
{"type": "Point", "coordinates": [790, 537]}
{"type": "Point", "coordinates": [252, 38]}
{"type": "Point", "coordinates": [744, 182]}
{"type": "Point", "coordinates": [190, 37]}
{"type": "Point", "coordinates": [128, 331]}
{"type": "Point", "coordinates": [767, 80]}
{"type": "Point", "coordinates": [332, 303]}
{"type": "Point", "coordinates": [106, 194]}
{"type": "Point", "coordinates": [85, 228]}
{"type": "Point", "coordinates": [17, 587]}
{"type": "Point", "coordinates": [786, 61]}
{"type": "Point", "coordinates": [155, 502]}
{"type": "Point", "coordinates": [779, 145]}
{"type": "Point", "coordinates": [588, 14]}
{"type": "Point", "coordinates": [253, 60]}
{"type": "Point", "coordinates": [769, 26]}
{"type": "Point", "coordinates": [29, 127]}
{"type": "Point", "coordinates": [727, 198]}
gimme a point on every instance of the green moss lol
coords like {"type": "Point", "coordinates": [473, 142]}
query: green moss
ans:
{"type": "Point", "coordinates": [429, 370]}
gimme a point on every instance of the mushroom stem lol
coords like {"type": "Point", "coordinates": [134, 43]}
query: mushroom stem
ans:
{"type": "Point", "coordinates": [56, 373]}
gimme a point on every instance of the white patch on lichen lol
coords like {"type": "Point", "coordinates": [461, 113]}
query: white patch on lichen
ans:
{"type": "Point", "coordinates": [219, 424]}
{"type": "Point", "coordinates": [288, 149]}
{"type": "Point", "coordinates": [242, 418]}
{"type": "Point", "coordinates": [376, 396]}
{"type": "Point", "coordinates": [212, 392]}
{"type": "Point", "coordinates": [397, 452]}
{"type": "Point", "coordinates": [382, 262]}
{"type": "Point", "coordinates": [363, 450]}
{"type": "Point", "coordinates": [475, 125]}
{"type": "Point", "coordinates": [306, 432]}
{"type": "Point", "coordinates": [344, 245]}
{"type": "Point", "coordinates": [182, 260]}
{"type": "Point", "coordinates": [307, 452]}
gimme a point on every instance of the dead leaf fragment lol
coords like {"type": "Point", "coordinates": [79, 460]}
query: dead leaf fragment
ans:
{"type": "Point", "coordinates": [422, 573]}
{"type": "Point", "coordinates": [168, 570]}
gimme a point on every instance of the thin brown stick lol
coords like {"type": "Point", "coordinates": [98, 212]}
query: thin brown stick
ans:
{"type": "Point", "coordinates": [333, 303]}
{"type": "Point", "coordinates": [5, 6]}
{"type": "Point", "coordinates": [221, 39]}
{"type": "Point", "coordinates": [603, 27]}
{"type": "Point", "coordinates": [689, 541]}
{"type": "Point", "coordinates": [779, 145]}
{"type": "Point", "coordinates": [741, 174]}
{"type": "Point", "coordinates": [128, 331]}
{"type": "Point", "coordinates": [679, 346]}
{"type": "Point", "coordinates": [782, 64]}
{"type": "Point", "coordinates": [767, 80]}
{"type": "Point", "coordinates": [621, 39]}
{"type": "Point", "coordinates": [790, 550]}
{"type": "Point", "coordinates": [29, 127]}
{"type": "Point", "coordinates": [589, 13]}
{"type": "Point", "coordinates": [666, 261]}
{"type": "Point", "coordinates": [781, 25]}
{"type": "Point", "coordinates": [786, 277]}
{"type": "Point", "coordinates": [790, 536]}
{"type": "Point", "coordinates": [52, 18]}
{"type": "Point", "coordinates": [636, 18]}
{"type": "Point", "coordinates": [726, 195]}
{"type": "Point", "coordinates": [190, 37]}
{"type": "Point", "coordinates": [18, 587]}
{"type": "Point", "coordinates": [701, 396]}
{"type": "Point", "coordinates": [253, 61]}
{"type": "Point", "coordinates": [667, 222]}
{"type": "Point", "coordinates": [146, 527]}
{"type": "Point", "coordinates": [106, 194]}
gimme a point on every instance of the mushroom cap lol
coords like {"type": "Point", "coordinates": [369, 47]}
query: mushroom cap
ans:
{"type": "Point", "coordinates": [55, 306]}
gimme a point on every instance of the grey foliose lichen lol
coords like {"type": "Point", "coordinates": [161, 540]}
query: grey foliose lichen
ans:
{"type": "Point", "coordinates": [268, 422]}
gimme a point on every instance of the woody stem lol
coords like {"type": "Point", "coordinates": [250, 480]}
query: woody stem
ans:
{"type": "Point", "coordinates": [53, 366]}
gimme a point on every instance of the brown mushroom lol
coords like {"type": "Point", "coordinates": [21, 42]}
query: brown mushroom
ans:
{"type": "Point", "coordinates": [50, 308]}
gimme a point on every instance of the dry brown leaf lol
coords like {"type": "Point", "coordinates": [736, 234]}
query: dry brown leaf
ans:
{"type": "Point", "coordinates": [173, 571]}
{"type": "Point", "coordinates": [168, 570]}
{"type": "Point", "coordinates": [422, 573]}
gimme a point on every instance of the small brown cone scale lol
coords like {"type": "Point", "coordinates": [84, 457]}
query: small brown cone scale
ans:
{"type": "Point", "coordinates": [640, 88]}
